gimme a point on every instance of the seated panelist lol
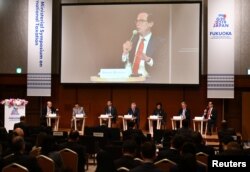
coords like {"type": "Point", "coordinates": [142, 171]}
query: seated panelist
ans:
{"type": "Point", "coordinates": [135, 112]}
{"type": "Point", "coordinates": [77, 109]}
{"type": "Point", "coordinates": [49, 109]}
{"type": "Point", "coordinates": [159, 111]}
{"type": "Point", "coordinates": [110, 109]}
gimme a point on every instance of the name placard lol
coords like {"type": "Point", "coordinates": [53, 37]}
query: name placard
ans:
{"type": "Point", "coordinates": [114, 73]}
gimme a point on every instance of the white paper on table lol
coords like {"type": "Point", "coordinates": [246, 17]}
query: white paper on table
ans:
{"type": "Point", "coordinates": [128, 116]}
{"type": "Point", "coordinates": [104, 116]}
{"type": "Point", "coordinates": [177, 117]}
{"type": "Point", "coordinates": [79, 115]}
{"type": "Point", "coordinates": [198, 117]}
{"type": "Point", "coordinates": [52, 115]}
{"type": "Point", "coordinates": [153, 117]}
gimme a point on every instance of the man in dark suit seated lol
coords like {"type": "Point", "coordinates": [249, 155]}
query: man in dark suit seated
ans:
{"type": "Point", "coordinates": [184, 112]}
{"type": "Point", "coordinates": [23, 125]}
{"type": "Point", "coordinates": [49, 109]}
{"type": "Point", "coordinates": [134, 134]}
{"type": "Point", "coordinates": [72, 144]}
{"type": "Point", "coordinates": [110, 109]}
{"type": "Point", "coordinates": [211, 115]}
{"type": "Point", "coordinates": [200, 145]}
{"type": "Point", "coordinates": [129, 152]}
{"type": "Point", "coordinates": [20, 132]}
{"type": "Point", "coordinates": [18, 146]}
{"type": "Point", "coordinates": [172, 153]}
{"type": "Point", "coordinates": [188, 162]}
{"type": "Point", "coordinates": [148, 153]}
{"type": "Point", "coordinates": [135, 112]}
{"type": "Point", "coordinates": [159, 111]}
{"type": "Point", "coordinates": [230, 147]}
{"type": "Point", "coordinates": [226, 132]}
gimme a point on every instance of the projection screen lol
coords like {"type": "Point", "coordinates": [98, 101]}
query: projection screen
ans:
{"type": "Point", "coordinates": [131, 43]}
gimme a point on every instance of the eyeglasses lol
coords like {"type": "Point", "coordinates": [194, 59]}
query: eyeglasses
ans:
{"type": "Point", "coordinates": [141, 21]}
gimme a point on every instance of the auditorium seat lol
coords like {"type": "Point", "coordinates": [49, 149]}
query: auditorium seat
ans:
{"type": "Point", "coordinates": [202, 164]}
{"type": "Point", "coordinates": [70, 159]}
{"type": "Point", "coordinates": [122, 169]}
{"type": "Point", "coordinates": [165, 165]}
{"type": "Point", "coordinates": [202, 157]}
{"type": "Point", "coordinates": [14, 167]}
{"type": "Point", "coordinates": [92, 146]}
{"type": "Point", "coordinates": [46, 164]}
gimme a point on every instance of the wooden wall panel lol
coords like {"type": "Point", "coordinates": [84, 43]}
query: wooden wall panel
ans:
{"type": "Point", "coordinates": [94, 100]}
{"type": "Point", "coordinates": [245, 116]}
{"type": "Point", "coordinates": [232, 110]}
{"type": "Point", "coordinates": [65, 102]}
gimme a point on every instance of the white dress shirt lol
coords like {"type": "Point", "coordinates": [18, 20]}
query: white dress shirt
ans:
{"type": "Point", "coordinates": [142, 70]}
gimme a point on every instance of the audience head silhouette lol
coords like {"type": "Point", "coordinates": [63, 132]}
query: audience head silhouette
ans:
{"type": "Point", "coordinates": [74, 136]}
{"type": "Point", "coordinates": [18, 144]}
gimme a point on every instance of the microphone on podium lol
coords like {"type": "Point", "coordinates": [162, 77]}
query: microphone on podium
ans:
{"type": "Point", "coordinates": [133, 34]}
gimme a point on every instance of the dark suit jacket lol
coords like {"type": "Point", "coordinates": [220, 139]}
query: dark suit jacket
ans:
{"type": "Point", "coordinates": [27, 161]}
{"type": "Point", "coordinates": [80, 150]}
{"type": "Point", "coordinates": [171, 154]}
{"type": "Point", "coordinates": [213, 116]}
{"type": "Point", "coordinates": [43, 116]}
{"type": "Point", "coordinates": [203, 148]}
{"type": "Point", "coordinates": [157, 50]}
{"type": "Point", "coordinates": [135, 113]}
{"type": "Point", "coordinates": [44, 111]}
{"type": "Point", "coordinates": [187, 114]}
{"type": "Point", "coordinates": [161, 113]}
{"type": "Point", "coordinates": [186, 133]}
{"type": "Point", "coordinates": [23, 126]}
{"type": "Point", "coordinates": [146, 167]}
{"type": "Point", "coordinates": [199, 168]}
{"type": "Point", "coordinates": [126, 161]}
{"type": "Point", "coordinates": [226, 132]}
{"type": "Point", "coordinates": [113, 112]}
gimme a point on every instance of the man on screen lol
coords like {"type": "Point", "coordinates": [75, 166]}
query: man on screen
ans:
{"type": "Point", "coordinates": [146, 50]}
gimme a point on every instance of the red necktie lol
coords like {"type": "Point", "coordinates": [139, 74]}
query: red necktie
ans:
{"type": "Point", "coordinates": [209, 114]}
{"type": "Point", "coordinates": [138, 57]}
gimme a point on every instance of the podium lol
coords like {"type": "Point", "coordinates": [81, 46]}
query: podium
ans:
{"type": "Point", "coordinates": [49, 117]}
{"type": "Point", "coordinates": [174, 120]}
{"type": "Point", "coordinates": [104, 117]}
{"type": "Point", "coordinates": [79, 117]}
{"type": "Point", "coordinates": [151, 119]}
{"type": "Point", "coordinates": [125, 120]}
{"type": "Point", "coordinates": [200, 121]}
{"type": "Point", "coordinates": [13, 110]}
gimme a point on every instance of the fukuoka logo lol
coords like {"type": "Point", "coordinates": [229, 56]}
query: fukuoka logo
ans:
{"type": "Point", "coordinates": [221, 21]}
{"type": "Point", "coordinates": [221, 28]}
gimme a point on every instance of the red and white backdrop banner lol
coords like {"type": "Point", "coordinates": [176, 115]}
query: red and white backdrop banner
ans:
{"type": "Point", "coordinates": [220, 81]}
{"type": "Point", "coordinates": [39, 48]}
